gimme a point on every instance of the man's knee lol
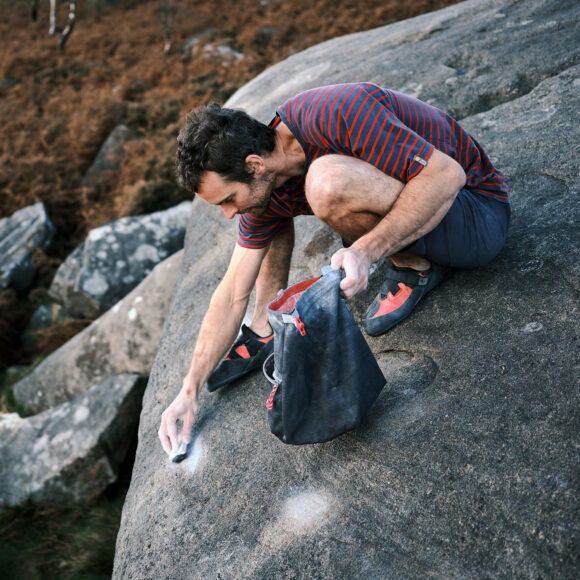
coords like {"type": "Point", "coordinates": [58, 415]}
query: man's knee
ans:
{"type": "Point", "coordinates": [338, 186]}
{"type": "Point", "coordinates": [325, 181]}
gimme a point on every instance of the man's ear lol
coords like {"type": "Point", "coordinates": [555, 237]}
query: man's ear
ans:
{"type": "Point", "coordinates": [255, 164]}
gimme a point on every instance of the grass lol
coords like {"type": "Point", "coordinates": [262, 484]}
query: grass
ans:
{"type": "Point", "coordinates": [59, 542]}
{"type": "Point", "coordinates": [42, 542]}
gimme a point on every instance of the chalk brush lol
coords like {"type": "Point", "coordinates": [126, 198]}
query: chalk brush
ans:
{"type": "Point", "coordinates": [180, 453]}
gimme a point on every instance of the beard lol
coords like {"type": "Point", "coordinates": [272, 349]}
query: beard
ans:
{"type": "Point", "coordinates": [261, 189]}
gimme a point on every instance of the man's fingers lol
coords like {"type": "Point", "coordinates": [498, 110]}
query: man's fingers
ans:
{"type": "Point", "coordinates": [347, 286]}
{"type": "Point", "coordinates": [336, 260]}
{"type": "Point", "coordinates": [171, 429]}
{"type": "Point", "coordinates": [165, 442]}
{"type": "Point", "coordinates": [186, 431]}
{"type": "Point", "coordinates": [352, 285]}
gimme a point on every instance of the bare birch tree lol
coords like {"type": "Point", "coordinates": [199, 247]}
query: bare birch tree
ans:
{"type": "Point", "coordinates": [167, 12]}
{"type": "Point", "coordinates": [72, 17]}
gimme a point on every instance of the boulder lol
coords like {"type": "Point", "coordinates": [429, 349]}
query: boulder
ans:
{"type": "Point", "coordinates": [432, 58]}
{"type": "Point", "coordinates": [21, 234]}
{"type": "Point", "coordinates": [115, 257]}
{"type": "Point", "coordinates": [467, 465]}
{"type": "Point", "coordinates": [192, 45]}
{"type": "Point", "coordinates": [46, 315]}
{"type": "Point", "coordinates": [73, 452]}
{"type": "Point", "coordinates": [110, 156]}
{"type": "Point", "coordinates": [123, 340]}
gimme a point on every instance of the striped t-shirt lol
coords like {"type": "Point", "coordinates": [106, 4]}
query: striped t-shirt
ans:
{"type": "Point", "coordinates": [394, 132]}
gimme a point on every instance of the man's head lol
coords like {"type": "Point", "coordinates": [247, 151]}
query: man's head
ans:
{"type": "Point", "coordinates": [220, 140]}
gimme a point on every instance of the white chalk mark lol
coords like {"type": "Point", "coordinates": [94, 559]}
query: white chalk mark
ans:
{"type": "Point", "coordinates": [192, 461]}
{"type": "Point", "coordinates": [305, 511]}
{"type": "Point", "coordinates": [195, 455]}
{"type": "Point", "coordinates": [532, 327]}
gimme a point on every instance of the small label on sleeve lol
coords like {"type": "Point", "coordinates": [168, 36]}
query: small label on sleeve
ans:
{"type": "Point", "coordinates": [420, 160]}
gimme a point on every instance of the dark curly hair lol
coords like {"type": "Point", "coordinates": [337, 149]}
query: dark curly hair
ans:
{"type": "Point", "coordinates": [217, 139]}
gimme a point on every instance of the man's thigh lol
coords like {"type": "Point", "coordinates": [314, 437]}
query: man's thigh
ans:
{"type": "Point", "coordinates": [471, 234]}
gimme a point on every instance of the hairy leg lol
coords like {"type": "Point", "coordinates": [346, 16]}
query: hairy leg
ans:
{"type": "Point", "coordinates": [352, 196]}
{"type": "Point", "coordinates": [272, 277]}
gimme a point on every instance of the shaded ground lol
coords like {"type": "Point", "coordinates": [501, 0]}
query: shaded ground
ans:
{"type": "Point", "coordinates": [56, 109]}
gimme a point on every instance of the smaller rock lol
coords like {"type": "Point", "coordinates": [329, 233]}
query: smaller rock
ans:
{"type": "Point", "coordinates": [115, 258]}
{"type": "Point", "coordinates": [25, 231]}
{"type": "Point", "coordinates": [46, 315]}
{"type": "Point", "coordinates": [71, 453]}
{"type": "Point", "coordinates": [124, 340]}
{"type": "Point", "coordinates": [192, 43]}
{"type": "Point", "coordinates": [222, 51]}
{"type": "Point", "coordinates": [110, 156]}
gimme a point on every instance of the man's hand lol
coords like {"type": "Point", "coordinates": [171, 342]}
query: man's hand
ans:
{"type": "Point", "coordinates": [356, 265]}
{"type": "Point", "coordinates": [183, 408]}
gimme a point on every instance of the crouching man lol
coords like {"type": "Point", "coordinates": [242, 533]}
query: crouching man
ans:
{"type": "Point", "coordinates": [393, 176]}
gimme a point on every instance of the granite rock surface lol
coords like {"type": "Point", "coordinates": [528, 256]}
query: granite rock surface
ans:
{"type": "Point", "coordinates": [71, 453]}
{"type": "Point", "coordinates": [467, 466]}
{"type": "Point", "coordinates": [115, 258]}
{"type": "Point", "coordinates": [123, 340]}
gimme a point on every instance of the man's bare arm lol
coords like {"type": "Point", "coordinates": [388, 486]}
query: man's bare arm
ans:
{"type": "Point", "coordinates": [217, 333]}
{"type": "Point", "coordinates": [421, 205]}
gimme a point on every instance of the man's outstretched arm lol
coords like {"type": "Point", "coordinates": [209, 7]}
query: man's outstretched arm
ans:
{"type": "Point", "coordinates": [217, 333]}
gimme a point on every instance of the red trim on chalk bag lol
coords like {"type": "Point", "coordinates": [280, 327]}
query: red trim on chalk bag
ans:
{"type": "Point", "coordinates": [270, 401]}
{"type": "Point", "coordinates": [300, 326]}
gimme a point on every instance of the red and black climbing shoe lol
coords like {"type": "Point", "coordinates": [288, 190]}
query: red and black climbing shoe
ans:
{"type": "Point", "coordinates": [399, 294]}
{"type": "Point", "coordinates": [248, 353]}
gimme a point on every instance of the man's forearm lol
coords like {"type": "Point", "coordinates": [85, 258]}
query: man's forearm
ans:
{"type": "Point", "coordinates": [421, 205]}
{"type": "Point", "coordinates": [218, 331]}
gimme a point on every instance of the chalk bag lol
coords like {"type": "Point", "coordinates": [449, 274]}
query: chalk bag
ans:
{"type": "Point", "coordinates": [324, 376]}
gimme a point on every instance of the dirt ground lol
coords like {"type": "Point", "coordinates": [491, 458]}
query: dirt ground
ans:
{"type": "Point", "coordinates": [58, 106]}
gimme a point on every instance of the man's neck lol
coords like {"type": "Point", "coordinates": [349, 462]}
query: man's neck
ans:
{"type": "Point", "coordinates": [288, 156]}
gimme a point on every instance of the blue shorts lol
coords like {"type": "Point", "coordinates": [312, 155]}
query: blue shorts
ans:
{"type": "Point", "coordinates": [471, 234]}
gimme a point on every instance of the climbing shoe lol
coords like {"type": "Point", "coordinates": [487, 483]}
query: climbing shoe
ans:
{"type": "Point", "coordinates": [399, 294]}
{"type": "Point", "coordinates": [248, 353]}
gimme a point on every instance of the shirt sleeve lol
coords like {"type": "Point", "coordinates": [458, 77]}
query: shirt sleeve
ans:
{"type": "Point", "coordinates": [360, 120]}
{"type": "Point", "coordinates": [258, 232]}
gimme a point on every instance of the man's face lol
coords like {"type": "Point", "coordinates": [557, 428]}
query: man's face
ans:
{"type": "Point", "coordinates": [235, 197]}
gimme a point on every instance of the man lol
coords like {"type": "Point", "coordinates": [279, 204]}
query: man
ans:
{"type": "Point", "coordinates": [390, 174]}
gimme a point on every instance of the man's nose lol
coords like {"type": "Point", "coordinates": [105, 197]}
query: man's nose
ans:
{"type": "Point", "coordinates": [229, 209]}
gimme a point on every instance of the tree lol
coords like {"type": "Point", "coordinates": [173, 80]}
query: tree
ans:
{"type": "Point", "coordinates": [167, 12]}
{"type": "Point", "coordinates": [72, 16]}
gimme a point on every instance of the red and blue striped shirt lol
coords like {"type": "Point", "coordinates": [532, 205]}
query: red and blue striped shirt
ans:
{"type": "Point", "coordinates": [394, 132]}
